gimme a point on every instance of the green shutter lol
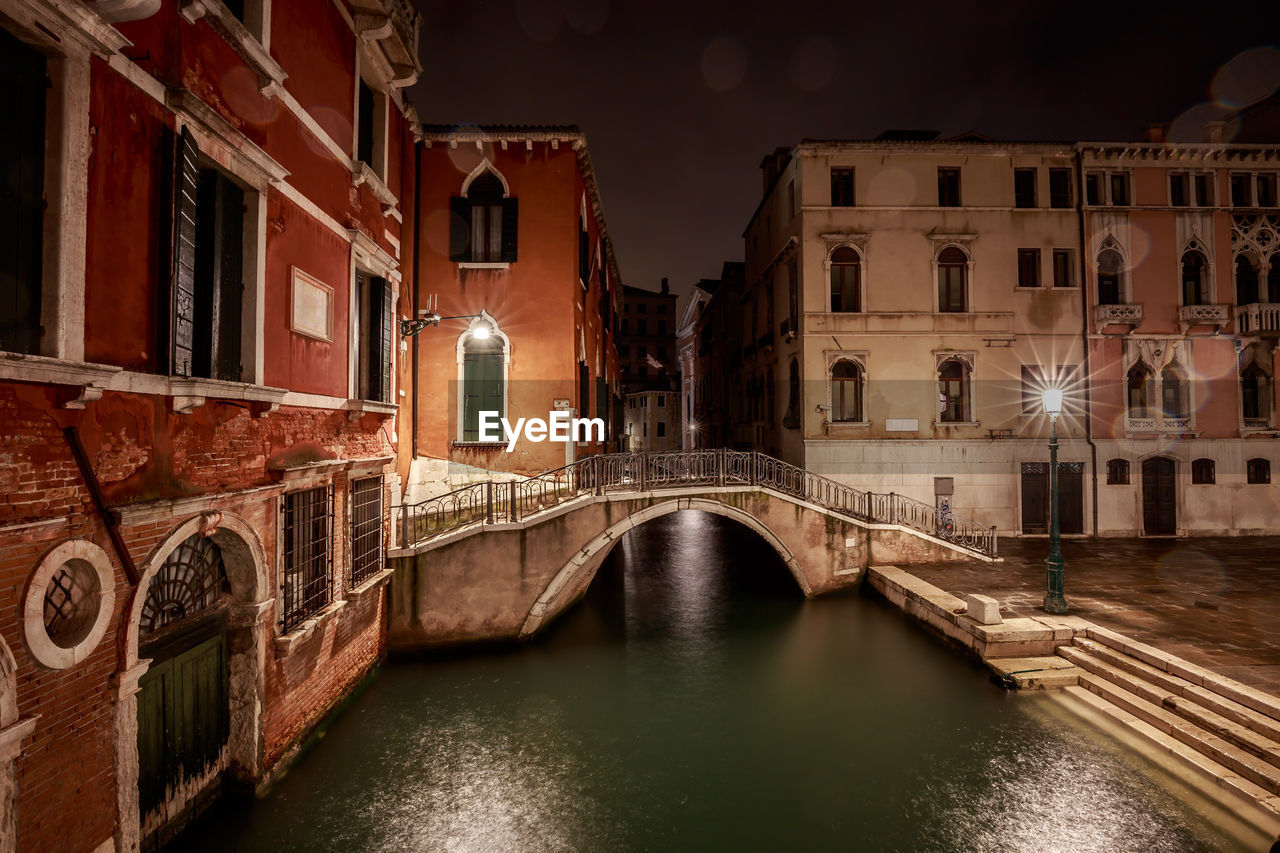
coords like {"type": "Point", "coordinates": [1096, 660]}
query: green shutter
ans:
{"type": "Point", "coordinates": [182, 292]}
{"type": "Point", "coordinates": [482, 388]}
{"type": "Point", "coordinates": [459, 230]}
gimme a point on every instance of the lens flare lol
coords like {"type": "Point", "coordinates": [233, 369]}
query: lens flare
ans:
{"type": "Point", "coordinates": [1247, 78]}
{"type": "Point", "coordinates": [724, 64]}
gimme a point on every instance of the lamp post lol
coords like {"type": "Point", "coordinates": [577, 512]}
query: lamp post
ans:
{"type": "Point", "coordinates": [1054, 601]}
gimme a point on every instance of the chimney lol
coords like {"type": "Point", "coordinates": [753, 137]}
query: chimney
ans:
{"type": "Point", "coordinates": [666, 286]}
{"type": "Point", "coordinates": [1213, 130]}
{"type": "Point", "coordinates": [1155, 133]}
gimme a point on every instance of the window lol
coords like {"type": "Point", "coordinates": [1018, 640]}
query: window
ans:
{"type": "Point", "coordinates": [308, 555]}
{"type": "Point", "coordinates": [374, 336]}
{"type": "Point", "coordinates": [948, 187]}
{"type": "Point", "coordinates": [366, 529]}
{"type": "Point", "coordinates": [662, 354]}
{"type": "Point", "coordinates": [584, 254]}
{"type": "Point", "coordinates": [1179, 187]}
{"type": "Point", "coordinates": [208, 259]}
{"type": "Point", "coordinates": [1109, 267]}
{"type": "Point", "coordinates": [1241, 190]}
{"type": "Point", "coordinates": [484, 223]}
{"type": "Point", "coordinates": [371, 121]}
{"type": "Point", "coordinates": [1064, 274]}
{"type": "Point", "coordinates": [846, 274]}
{"type": "Point", "coordinates": [792, 418]}
{"type": "Point", "coordinates": [842, 188]}
{"type": "Point", "coordinates": [662, 429]}
{"type": "Point", "coordinates": [662, 401]}
{"type": "Point", "coordinates": [1117, 472]}
{"type": "Point", "coordinates": [953, 269]}
{"type": "Point", "coordinates": [68, 604]}
{"type": "Point", "coordinates": [642, 308]}
{"type": "Point", "coordinates": [793, 292]}
{"type": "Point", "coordinates": [953, 389]}
{"type": "Point", "coordinates": [1119, 182]}
{"type": "Point", "coordinates": [1258, 471]}
{"type": "Point", "coordinates": [1204, 189]}
{"type": "Point", "coordinates": [483, 382]}
{"type": "Point", "coordinates": [1093, 188]}
{"type": "Point", "coordinates": [642, 326]}
{"type": "Point", "coordinates": [1246, 280]}
{"type": "Point", "coordinates": [662, 327]}
{"type": "Point", "coordinates": [1141, 388]}
{"type": "Point", "coordinates": [1173, 392]}
{"type": "Point", "coordinates": [662, 309]}
{"type": "Point", "coordinates": [192, 579]}
{"type": "Point", "coordinates": [22, 149]}
{"type": "Point", "coordinates": [1203, 472]}
{"type": "Point", "coordinates": [1028, 268]}
{"type": "Point", "coordinates": [1024, 187]}
{"type": "Point", "coordinates": [1060, 188]}
{"type": "Point", "coordinates": [1266, 190]}
{"type": "Point", "coordinates": [846, 392]}
{"type": "Point", "coordinates": [1195, 279]}
{"type": "Point", "coordinates": [1255, 396]}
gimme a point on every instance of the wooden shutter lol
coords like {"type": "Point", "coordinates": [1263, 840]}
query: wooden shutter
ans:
{"type": "Point", "coordinates": [510, 221]}
{"type": "Point", "coordinates": [182, 289]}
{"type": "Point", "coordinates": [380, 338]}
{"type": "Point", "coordinates": [584, 255]}
{"type": "Point", "coordinates": [459, 230]}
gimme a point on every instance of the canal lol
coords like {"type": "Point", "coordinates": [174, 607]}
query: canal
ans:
{"type": "Point", "coordinates": [696, 701]}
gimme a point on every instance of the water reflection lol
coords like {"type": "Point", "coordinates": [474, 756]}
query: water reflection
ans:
{"type": "Point", "coordinates": [696, 701]}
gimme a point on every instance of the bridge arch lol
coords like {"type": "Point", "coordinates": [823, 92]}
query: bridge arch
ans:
{"type": "Point", "coordinates": [573, 578]}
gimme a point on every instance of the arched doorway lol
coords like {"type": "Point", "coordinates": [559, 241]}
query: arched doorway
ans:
{"type": "Point", "coordinates": [1159, 497]}
{"type": "Point", "coordinates": [183, 699]}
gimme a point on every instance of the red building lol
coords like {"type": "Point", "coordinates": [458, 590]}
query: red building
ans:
{"type": "Point", "coordinates": [199, 277]}
{"type": "Point", "coordinates": [515, 255]}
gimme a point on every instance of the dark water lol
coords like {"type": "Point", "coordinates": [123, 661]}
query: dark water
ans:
{"type": "Point", "coordinates": [695, 701]}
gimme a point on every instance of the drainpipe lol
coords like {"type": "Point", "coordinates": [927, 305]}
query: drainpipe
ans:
{"type": "Point", "coordinates": [1084, 338]}
{"type": "Point", "coordinates": [417, 265]}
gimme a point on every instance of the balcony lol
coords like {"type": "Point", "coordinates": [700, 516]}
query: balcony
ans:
{"type": "Point", "coordinates": [1259, 318]}
{"type": "Point", "coordinates": [907, 322]}
{"type": "Point", "coordinates": [1158, 424]}
{"type": "Point", "coordinates": [1129, 316]}
{"type": "Point", "coordinates": [787, 330]}
{"type": "Point", "coordinates": [1257, 424]}
{"type": "Point", "coordinates": [1214, 316]}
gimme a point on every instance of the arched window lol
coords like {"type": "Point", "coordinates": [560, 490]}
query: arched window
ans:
{"type": "Point", "coordinates": [953, 391]}
{"type": "Point", "coordinates": [1141, 389]}
{"type": "Point", "coordinates": [1258, 471]}
{"type": "Point", "coordinates": [846, 280]}
{"type": "Point", "coordinates": [1173, 392]}
{"type": "Point", "coordinates": [1117, 472]}
{"type": "Point", "coordinates": [483, 381]}
{"type": "Point", "coordinates": [1203, 472]}
{"type": "Point", "coordinates": [1195, 279]}
{"type": "Point", "coordinates": [1273, 279]}
{"type": "Point", "coordinates": [846, 392]}
{"type": "Point", "coordinates": [953, 269]}
{"type": "Point", "coordinates": [792, 419]}
{"type": "Point", "coordinates": [1246, 281]}
{"type": "Point", "coordinates": [1255, 396]}
{"type": "Point", "coordinates": [1110, 267]}
{"type": "Point", "coordinates": [484, 222]}
{"type": "Point", "coordinates": [192, 579]}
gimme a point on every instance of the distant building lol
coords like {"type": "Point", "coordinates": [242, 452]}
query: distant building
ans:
{"type": "Point", "coordinates": [710, 346]}
{"type": "Point", "coordinates": [647, 339]}
{"type": "Point", "coordinates": [652, 420]}
{"type": "Point", "coordinates": [513, 241]}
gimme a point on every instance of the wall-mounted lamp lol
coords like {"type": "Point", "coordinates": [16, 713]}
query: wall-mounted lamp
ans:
{"type": "Point", "coordinates": [409, 328]}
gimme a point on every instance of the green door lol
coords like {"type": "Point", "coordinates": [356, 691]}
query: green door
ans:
{"type": "Point", "coordinates": [182, 718]}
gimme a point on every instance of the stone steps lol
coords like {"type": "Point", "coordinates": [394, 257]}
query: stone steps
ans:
{"type": "Point", "coordinates": [1235, 747]}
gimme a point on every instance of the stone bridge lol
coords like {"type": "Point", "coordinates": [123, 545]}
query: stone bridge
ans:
{"type": "Point", "coordinates": [499, 560]}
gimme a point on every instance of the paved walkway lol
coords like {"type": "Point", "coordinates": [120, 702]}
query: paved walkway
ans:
{"type": "Point", "coordinates": [1214, 601]}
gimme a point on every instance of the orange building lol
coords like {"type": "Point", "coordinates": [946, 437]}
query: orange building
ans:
{"type": "Point", "coordinates": [515, 257]}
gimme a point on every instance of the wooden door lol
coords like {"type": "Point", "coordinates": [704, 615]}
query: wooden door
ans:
{"type": "Point", "coordinates": [1071, 497]}
{"type": "Point", "coordinates": [1035, 497]}
{"type": "Point", "coordinates": [1159, 497]}
{"type": "Point", "coordinates": [182, 718]}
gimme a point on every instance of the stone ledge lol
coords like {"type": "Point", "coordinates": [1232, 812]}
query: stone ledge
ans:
{"type": "Point", "coordinates": [371, 586]}
{"type": "Point", "coordinates": [286, 644]}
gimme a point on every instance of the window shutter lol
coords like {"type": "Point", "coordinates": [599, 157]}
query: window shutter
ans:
{"type": "Point", "coordinates": [491, 392]}
{"type": "Point", "coordinates": [459, 229]}
{"type": "Point", "coordinates": [584, 258]}
{"type": "Point", "coordinates": [380, 313]}
{"type": "Point", "coordinates": [510, 220]}
{"type": "Point", "coordinates": [182, 293]}
{"type": "Point", "coordinates": [471, 384]}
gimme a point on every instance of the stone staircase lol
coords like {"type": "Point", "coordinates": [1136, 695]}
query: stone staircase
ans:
{"type": "Point", "coordinates": [1223, 732]}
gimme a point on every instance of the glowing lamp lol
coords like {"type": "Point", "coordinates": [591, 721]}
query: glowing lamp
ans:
{"type": "Point", "coordinates": [481, 333]}
{"type": "Point", "coordinates": [1052, 400]}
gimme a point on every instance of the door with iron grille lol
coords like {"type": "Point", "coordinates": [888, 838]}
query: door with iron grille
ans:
{"type": "Point", "coordinates": [1159, 497]}
{"type": "Point", "coordinates": [183, 709]}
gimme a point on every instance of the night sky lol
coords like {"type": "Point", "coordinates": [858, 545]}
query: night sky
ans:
{"type": "Point", "coordinates": [680, 101]}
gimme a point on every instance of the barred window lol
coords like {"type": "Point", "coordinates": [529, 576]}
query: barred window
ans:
{"type": "Point", "coordinates": [366, 529]}
{"type": "Point", "coordinates": [308, 554]}
{"type": "Point", "coordinates": [1118, 472]}
{"type": "Point", "coordinates": [1203, 472]}
{"type": "Point", "coordinates": [1259, 471]}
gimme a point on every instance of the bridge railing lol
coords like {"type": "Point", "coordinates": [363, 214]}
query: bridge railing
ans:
{"type": "Point", "coordinates": [512, 500]}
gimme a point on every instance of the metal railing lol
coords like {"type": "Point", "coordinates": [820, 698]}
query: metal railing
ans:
{"type": "Point", "coordinates": [512, 500]}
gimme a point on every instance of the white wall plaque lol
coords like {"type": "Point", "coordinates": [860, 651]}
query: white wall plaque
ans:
{"type": "Point", "coordinates": [311, 311]}
{"type": "Point", "coordinates": [902, 424]}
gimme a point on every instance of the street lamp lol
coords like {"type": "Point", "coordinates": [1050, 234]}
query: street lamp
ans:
{"type": "Point", "coordinates": [1054, 601]}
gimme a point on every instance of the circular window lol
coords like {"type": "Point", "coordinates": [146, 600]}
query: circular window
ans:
{"type": "Point", "coordinates": [68, 603]}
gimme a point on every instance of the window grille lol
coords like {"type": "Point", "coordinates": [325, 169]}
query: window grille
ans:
{"type": "Point", "coordinates": [191, 580]}
{"type": "Point", "coordinates": [1118, 472]}
{"type": "Point", "coordinates": [308, 554]}
{"type": "Point", "coordinates": [1203, 472]}
{"type": "Point", "coordinates": [1259, 471]}
{"type": "Point", "coordinates": [366, 529]}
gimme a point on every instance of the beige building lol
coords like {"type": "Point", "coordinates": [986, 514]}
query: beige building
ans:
{"type": "Point", "coordinates": [906, 301]}
{"type": "Point", "coordinates": [651, 420]}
